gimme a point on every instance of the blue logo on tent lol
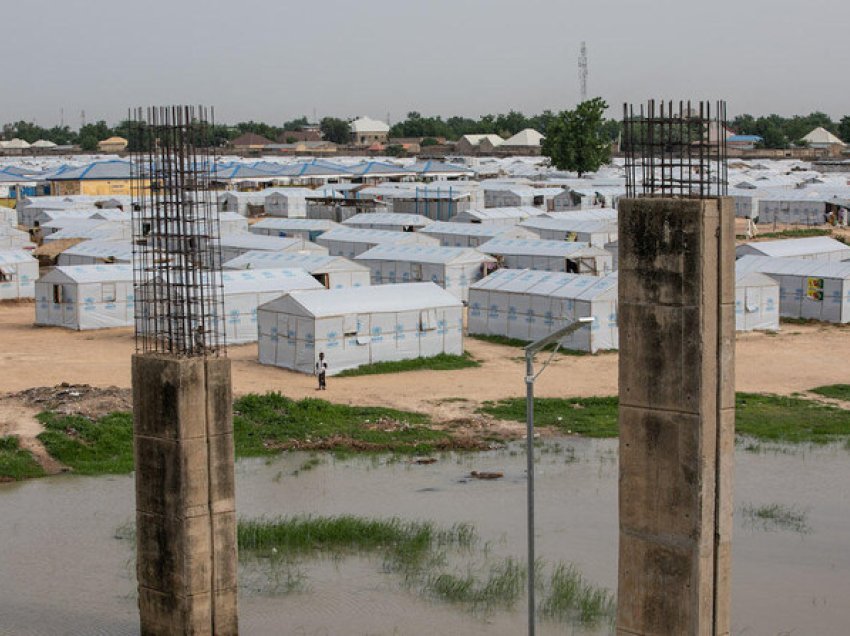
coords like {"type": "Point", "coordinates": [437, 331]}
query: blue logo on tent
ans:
{"type": "Point", "coordinates": [475, 309]}
{"type": "Point", "coordinates": [392, 277]}
{"type": "Point", "coordinates": [234, 317]}
{"type": "Point", "coordinates": [309, 341]}
{"type": "Point", "coordinates": [274, 334]}
{"type": "Point", "coordinates": [494, 311]}
{"type": "Point", "coordinates": [739, 307]}
{"type": "Point", "coordinates": [399, 332]}
{"type": "Point", "coordinates": [88, 304]}
{"type": "Point", "coordinates": [549, 319]}
{"type": "Point", "coordinates": [511, 313]}
{"type": "Point", "coordinates": [612, 319]}
{"type": "Point", "coordinates": [254, 315]}
{"type": "Point", "coordinates": [333, 339]}
{"type": "Point", "coordinates": [377, 334]}
{"type": "Point", "coordinates": [435, 279]}
{"type": "Point", "coordinates": [529, 317]}
{"type": "Point", "coordinates": [290, 337]}
{"type": "Point", "coordinates": [769, 304]}
{"type": "Point", "coordinates": [441, 327]}
{"type": "Point", "coordinates": [379, 278]}
{"type": "Point", "coordinates": [405, 277]}
{"type": "Point", "coordinates": [464, 279]}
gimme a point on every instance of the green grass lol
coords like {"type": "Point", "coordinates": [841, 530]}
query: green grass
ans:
{"type": "Point", "coordinates": [797, 233]}
{"type": "Point", "coordinates": [776, 517]}
{"type": "Point", "coordinates": [266, 424]}
{"type": "Point", "coordinates": [520, 344]}
{"type": "Point", "coordinates": [764, 417]}
{"type": "Point", "coordinates": [835, 391]}
{"type": "Point", "coordinates": [570, 597]}
{"type": "Point", "coordinates": [502, 586]}
{"type": "Point", "coordinates": [104, 446]}
{"type": "Point", "coordinates": [591, 417]}
{"type": "Point", "coordinates": [441, 362]}
{"type": "Point", "coordinates": [16, 463]}
{"type": "Point", "coordinates": [789, 419]}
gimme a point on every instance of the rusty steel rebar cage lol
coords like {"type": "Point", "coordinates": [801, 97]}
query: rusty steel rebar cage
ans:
{"type": "Point", "coordinates": [179, 294]}
{"type": "Point", "coordinates": [675, 152]}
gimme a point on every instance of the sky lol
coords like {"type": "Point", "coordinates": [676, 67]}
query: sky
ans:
{"type": "Point", "coordinates": [274, 60]}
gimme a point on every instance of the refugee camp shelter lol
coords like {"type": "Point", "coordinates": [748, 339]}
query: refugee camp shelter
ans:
{"type": "Point", "coordinates": [756, 302]}
{"type": "Point", "coordinates": [554, 256]}
{"type": "Point", "coordinates": [799, 206]}
{"type": "Point", "coordinates": [333, 272]}
{"type": "Point", "coordinates": [529, 305]}
{"type": "Point", "coordinates": [452, 268]}
{"type": "Point", "coordinates": [307, 229]}
{"type": "Point", "coordinates": [233, 245]}
{"type": "Point", "coordinates": [497, 216]}
{"type": "Point", "coordinates": [810, 289]}
{"type": "Point", "coordinates": [10, 238]}
{"type": "Point", "coordinates": [452, 234]}
{"type": "Point", "coordinates": [360, 326]}
{"type": "Point", "coordinates": [595, 233]}
{"type": "Point", "coordinates": [394, 221]}
{"type": "Point", "coordinates": [819, 248]}
{"type": "Point", "coordinates": [85, 297]}
{"type": "Point", "coordinates": [351, 242]}
{"type": "Point", "coordinates": [502, 195]}
{"type": "Point", "coordinates": [97, 252]}
{"type": "Point", "coordinates": [231, 223]}
{"type": "Point", "coordinates": [287, 202]}
{"type": "Point", "coordinates": [18, 272]}
{"type": "Point", "coordinates": [247, 289]}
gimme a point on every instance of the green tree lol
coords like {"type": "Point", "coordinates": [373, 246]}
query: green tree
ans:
{"type": "Point", "coordinates": [335, 130]}
{"type": "Point", "coordinates": [90, 134]}
{"type": "Point", "coordinates": [576, 140]}
{"type": "Point", "coordinates": [295, 124]}
{"type": "Point", "coordinates": [844, 128]}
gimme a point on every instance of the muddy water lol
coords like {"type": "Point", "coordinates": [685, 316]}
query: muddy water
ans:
{"type": "Point", "coordinates": [63, 572]}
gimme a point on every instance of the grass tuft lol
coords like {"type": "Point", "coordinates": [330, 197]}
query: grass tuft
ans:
{"type": "Point", "coordinates": [776, 517]}
{"type": "Point", "coordinates": [570, 597]}
{"type": "Point", "coordinates": [441, 362]}
{"type": "Point", "coordinates": [835, 391]}
{"type": "Point", "coordinates": [503, 585]}
{"type": "Point", "coordinates": [16, 463]}
{"type": "Point", "coordinates": [592, 417]}
{"type": "Point", "coordinates": [100, 447]}
{"type": "Point", "coordinates": [797, 233]}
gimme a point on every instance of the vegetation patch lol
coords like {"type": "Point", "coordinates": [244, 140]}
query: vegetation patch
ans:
{"type": "Point", "coordinates": [790, 419]}
{"type": "Point", "coordinates": [569, 596]}
{"type": "Point", "coordinates": [834, 391]}
{"type": "Point", "coordinates": [796, 233]}
{"type": "Point", "coordinates": [776, 517]}
{"type": "Point", "coordinates": [15, 462]}
{"type": "Point", "coordinates": [90, 447]}
{"type": "Point", "coordinates": [521, 344]}
{"type": "Point", "coordinates": [266, 424]}
{"type": "Point", "coordinates": [591, 417]}
{"type": "Point", "coordinates": [441, 362]}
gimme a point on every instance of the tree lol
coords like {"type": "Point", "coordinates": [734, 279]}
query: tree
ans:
{"type": "Point", "coordinates": [844, 128]}
{"type": "Point", "coordinates": [576, 139]}
{"type": "Point", "coordinates": [335, 130]}
{"type": "Point", "coordinates": [90, 134]}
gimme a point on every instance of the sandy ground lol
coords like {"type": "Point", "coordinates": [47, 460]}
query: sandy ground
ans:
{"type": "Point", "coordinates": [799, 358]}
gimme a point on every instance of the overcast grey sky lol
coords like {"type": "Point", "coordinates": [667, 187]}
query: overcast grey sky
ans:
{"type": "Point", "coordinates": [273, 60]}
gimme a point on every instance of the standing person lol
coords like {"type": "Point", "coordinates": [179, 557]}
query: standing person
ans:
{"type": "Point", "coordinates": [321, 370]}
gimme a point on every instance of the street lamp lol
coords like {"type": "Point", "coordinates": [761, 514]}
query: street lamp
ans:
{"type": "Point", "coordinates": [530, 351]}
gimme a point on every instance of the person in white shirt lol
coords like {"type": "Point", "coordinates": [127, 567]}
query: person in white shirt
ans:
{"type": "Point", "coordinates": [321, 370]}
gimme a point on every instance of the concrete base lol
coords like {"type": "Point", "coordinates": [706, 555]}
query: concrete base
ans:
{"type": "Point", "coordinates": [677, 410]}
{"type": "Point", "coordinates": [185, 495]}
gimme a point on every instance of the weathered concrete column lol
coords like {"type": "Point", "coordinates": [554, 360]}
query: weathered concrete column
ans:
{"type": "Point", "coordinates": [677, 410]}
{"type": "Point", "coordinates": [185, 495]}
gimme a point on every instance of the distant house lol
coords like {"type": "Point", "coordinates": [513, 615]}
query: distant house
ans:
{"type": "Point", "coordinates": [365, 131]}
{"type": "Point", "coordinates": [98, 178]}
{"type": "Point", "coordinates": [113, 145]}
{"type": "Point", "coordinates": [14, 147]}
{"type": "Point", "coordinates": [477, 144]}
{"type": "Point", "coordinates": [528, 138]}
{"type": "Point", "coordinates": [822, 139]}
{"type": "Point", "coordinates": [743, 142]}
{"type": "Point", "coordinates": [250, 142]}
{"type": "Point", "coordinates": [294, 136]}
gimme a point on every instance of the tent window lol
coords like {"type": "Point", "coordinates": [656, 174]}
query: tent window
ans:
{"type": "Point", "coordinates": [428, 320]}
{"type": "Point", "coordinates": [58, 297]}
{"type": "Point", "coordinates": [416, 271]}
{"type": "Point", "coordinates": [109, 292]}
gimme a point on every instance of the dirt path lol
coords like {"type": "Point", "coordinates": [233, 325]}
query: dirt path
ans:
{"type": "Point", "coordinates": [799, 358]}
{"type": "Point", "coordinates": [19, 420]}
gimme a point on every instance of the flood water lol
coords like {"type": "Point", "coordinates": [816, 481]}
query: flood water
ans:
{"type": "Point", "coordinates": [62, 571]}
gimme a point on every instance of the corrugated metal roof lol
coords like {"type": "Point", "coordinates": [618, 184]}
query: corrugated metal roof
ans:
{"type": "Point", "coordinates": [793, 267]}
{"type": "Point", "coordinates": [368, 300]}
{"type": "Point", "coordinates": [312, 263]}
{"type": "Point", "coordinates": [89, 273]}
{"type": "Point", "coordinates": [536, 247]}
{"type": "Point", "coordinates": [552, 284]}
{"type": "Point", "coordinates": [784, 248]}
{"type": "Point", "coordinates": [424, 254]}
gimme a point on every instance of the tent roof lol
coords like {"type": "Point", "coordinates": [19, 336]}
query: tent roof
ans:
{"type": "Point", "coordinates": [569, 225]}
{"type": "Point", "coordinates": [793, 267]}
{"type": "Point", "coordinates": [468, 229]}
{"type": "Point", "coordinates": [15, 256]}
{"type": "Point", "coordinates": [800, 246]}
{"type": "Point", "coordinates": [368, 125]}
{"type": "Point", "coordinates": [821, 135]}
{"type": "Point", "coordinates": [744, 278]}
{"type": "Point", "coordinates": [439, 167]}
{"type": "Point", "coordinates": [387, 218]}
{"type": "Point", "coordinates": [527, 137]}
{"type": "Point", "coordinates": [591, 214]}
{"type": "Point", "coordinates": [424, 254]}
{"type": "Point", "coordinates": [368, 168]}
{"type": "Point", "coordinates": [97, 248]}
{"type": "Point", "coordinates": [267, 280]}
{"type": "Point", "coordinates": [367, 300]}
{"type": "Point", "coordinates": [89, 274]}
{"type": "Point", "coordinates": [475, 140]}
{"type": "Point", "coordinates": [258, 241]}
{"type": "Point", "coordinates": [553, 284]}
{"type": "Point", "coordinates": [282, 223]}
{"type": "Point", "coordinates": [537, 247]}
{"type": "Point", "coordinates": [519, 212]}
{"type": "Point", "coordinates": [313, 263]}
{"type": "Point", "coordinates": [114, 169]}
{"type": "Point", "coordinates": [368, 235]}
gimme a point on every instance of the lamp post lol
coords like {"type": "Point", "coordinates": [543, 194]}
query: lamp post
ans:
{"type": "Point", "coordinates": [530, 376]}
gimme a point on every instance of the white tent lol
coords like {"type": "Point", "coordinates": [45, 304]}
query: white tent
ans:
{"type": "Point", "coordinates": [589, 214]}
{"type": "Point", "coordinates": [72, 224]}
{"type": "Point", "coordinates": [85, 297]}
{"type": "Point", "coordinates": [756, 302]}
{"type": "Point", "coordinates": [820, 248]}
{"type": "Point", "coordinates": [233, 245]}
{"type": "Point", "coordinates": [30, 207]}
{"type": "Point", "coordinates": [104, 231]}
{"type": "Point", "coordinates": [254, 203]}
{"type": "Point", "coordinates": [497, 216]}
{"type": "Point", "coordinates": [452, 234]}
{"type": "Point", "coordinates": [808, 289]}
{"type": "Point", "coordinates": [245, 290]}
{"type": "Point", "coordinates": [452, 268]}
{"type": "Point", "coordinates": [527, 137]}
{"type": "Point", "coordinates": [10, 238]}
{"type": "Point", "coordinates": [333, 272]}
{"type": "Point", "coordinates": [18, 272]}
{"type": "Point", "coordinates": [529, 305]}
{"type": "Point", "coordinates": [595, 233]}
{"type": "Point", "coordinates": [351, 242]}
{"type": "Point", "coordinates": [287, 202]}
{"type": "Point", "coordinates": [554, 256]}
{"type": "Point", "coordinates": [231, 223]}
{"type": "Point", "coordinates": [97, 252]}
{"type": "Point", "coordinates": [361, 326]}
{"type": "Point", "coordinates": [307, 229]}
{"type": "Point", "coordinates": [394, 221]}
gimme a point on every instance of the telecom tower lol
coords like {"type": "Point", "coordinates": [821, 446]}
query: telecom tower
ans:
{"type": "Point", "coordinates": [582, 71]}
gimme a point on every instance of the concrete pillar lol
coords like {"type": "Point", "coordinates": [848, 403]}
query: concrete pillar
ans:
{"type": "Point", "coordinates": [185, 495]}
{"type": "Point", "coordinates": [677, 415]}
